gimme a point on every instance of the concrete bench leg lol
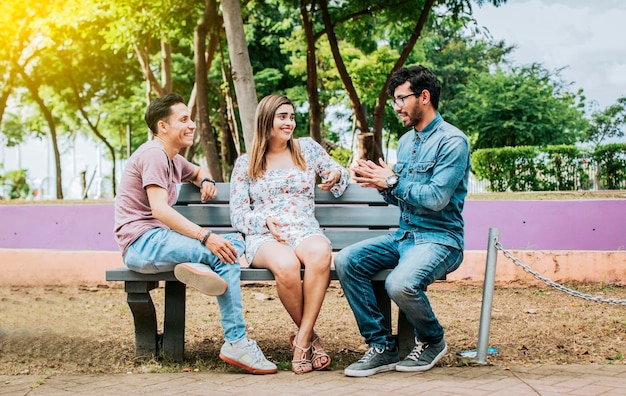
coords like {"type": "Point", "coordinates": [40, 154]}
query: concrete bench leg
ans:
{"type": "Point", "coordinates": [144, 315]}
{"type": "Point", "coordinates": [383, 301]}
{"type": "Point", "coordinates": [405, 329]}
{"type": "Point", "coordinates": [174, 321]}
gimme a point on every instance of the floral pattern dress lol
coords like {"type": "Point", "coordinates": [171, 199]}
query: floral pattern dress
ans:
{"type": "Point", "coordinates": [285, 194]}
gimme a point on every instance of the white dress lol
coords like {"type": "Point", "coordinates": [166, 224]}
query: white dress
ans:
{"type": "Point", "coordinates": [285, 194]}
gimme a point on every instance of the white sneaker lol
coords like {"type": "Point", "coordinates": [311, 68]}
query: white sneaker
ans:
{"type": "Point", "coordinates": [201, 277]}
{"type": "Point", "coordinates": [249, 357]}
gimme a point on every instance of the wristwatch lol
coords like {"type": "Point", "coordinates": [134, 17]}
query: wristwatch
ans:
{"type": "Point", "coordinates": [392, 182]}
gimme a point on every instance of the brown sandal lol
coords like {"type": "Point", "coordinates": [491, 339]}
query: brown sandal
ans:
{"type": "Point", "coordinates": [302, 365]}
{"type": "Point", "coordinates": [318, 355]}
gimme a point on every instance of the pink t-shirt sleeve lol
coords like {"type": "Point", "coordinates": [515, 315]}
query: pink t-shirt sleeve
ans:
{"type": "Point", "coordinates": [149, 165]}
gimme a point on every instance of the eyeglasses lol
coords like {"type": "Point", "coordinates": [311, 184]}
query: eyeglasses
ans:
{"type": "Point", "coordinates": [399, 102]}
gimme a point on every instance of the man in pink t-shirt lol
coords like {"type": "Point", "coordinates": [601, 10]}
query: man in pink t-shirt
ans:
{"type": "Point", "coordinates": [154, 237]}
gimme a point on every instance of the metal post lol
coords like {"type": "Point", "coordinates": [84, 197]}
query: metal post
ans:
{"type": "Point", "coordinates": [488, 287]}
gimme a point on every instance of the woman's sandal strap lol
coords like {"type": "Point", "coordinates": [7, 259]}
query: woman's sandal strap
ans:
{"type": "Point", "coordinates": [302, 365]}
{"type": "Point", "coordinates": [318, 354]}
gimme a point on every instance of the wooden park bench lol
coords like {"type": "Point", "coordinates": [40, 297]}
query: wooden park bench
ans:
{"type": "Point", "coordinates": [358, 214]}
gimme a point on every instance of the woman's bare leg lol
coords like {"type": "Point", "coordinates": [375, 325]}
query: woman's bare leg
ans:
{"type": "Point", "coordinates": [315, 255]}
{"type": "Point", "coordinates": [285, 265]}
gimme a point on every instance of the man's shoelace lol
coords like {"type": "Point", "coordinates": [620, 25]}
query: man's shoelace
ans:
{"type": "Point", "coordinates": [417, 351]}
{"type": "Point", "coordinates": [370, 354]}
{"type": "Point", "coordinates": [255, 351]}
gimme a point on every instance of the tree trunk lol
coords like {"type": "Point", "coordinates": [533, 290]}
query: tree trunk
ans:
{"type": "Point", "coordinates": [361, 119]}
{"type": "Point", "coordinates": [166, 66]}
{"type": "Point", "coordinates": [229, 152]}
{"type": "Point", "coordinates": [32, 87]}
{"type": "Point", "coordinates": [229, 111]}
{"type": "Point", "coordinates": [5, 92]}
{"type": "Point", "coordinates": [368, 146]}
{"type": "Point", "coordinates": [379, 108]}
{"type": "Point", "coordinates": [213, 24]}
{"type": "Point", "coordinates": [315, 109]}
{"type": "Point", "coordinates": [143, 56]}
{"type": "Point", "coordinates": [231, 147]}
{"type": "Point", "coordinates": [203, 125]}
{"type": "Point", "coordinates": [241, 68]}
{"type": "Point", "coordinates": [365, 145]}
{"type": "Point", "coordinates": [94, 129]}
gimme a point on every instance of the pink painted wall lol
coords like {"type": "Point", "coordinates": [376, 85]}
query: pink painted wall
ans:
{"type": "Point", "coordinates": [548, 225]}
{"type": "Point", "coordinates": [523, 225]}
{"type": "Point", "coordinates": [27, 267]}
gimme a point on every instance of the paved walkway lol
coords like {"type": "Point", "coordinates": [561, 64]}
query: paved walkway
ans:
{"type": "Point", "coordinates": [587, 380]}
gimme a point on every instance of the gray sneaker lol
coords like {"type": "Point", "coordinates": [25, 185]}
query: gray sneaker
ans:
{"type": "Point", "coordinates": [423, 356]}
{"type": "Point", "coordinates": [375, 360]}
{"type": "Point", "coordinates": [201, 277]}
{"type": "Point", "coordinates": [249, 358]}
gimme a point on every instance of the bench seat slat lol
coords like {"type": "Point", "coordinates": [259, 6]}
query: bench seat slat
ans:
{"type": "Point", "coordinates": [357, 216]}
{"type": "Point", "coordinates": [207, 216]}
{"type": "Point", "coordinates": [343, 238]}
{"type": "Point", "coordinates": [189, 194]}
{"type": "Point", "coordinates": [327, 216]}
{"type": "Point", "coordinates": [247, 274]}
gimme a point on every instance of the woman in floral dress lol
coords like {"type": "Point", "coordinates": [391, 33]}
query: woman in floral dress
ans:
{"type": "Point", "coordinates": [272, 204]}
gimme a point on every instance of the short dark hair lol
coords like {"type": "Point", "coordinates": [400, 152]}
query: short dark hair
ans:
{"type": "Point", "coordinates": [420, 78]}
{"type": "Point", "coordinates": [161, 108]}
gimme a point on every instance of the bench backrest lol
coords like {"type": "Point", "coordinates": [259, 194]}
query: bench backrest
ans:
{"type": "Point", "coordinates": [358, 214]}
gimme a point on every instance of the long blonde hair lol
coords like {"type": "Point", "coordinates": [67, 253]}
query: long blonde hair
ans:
{"type": "Point", "coordinates": [264, 122]}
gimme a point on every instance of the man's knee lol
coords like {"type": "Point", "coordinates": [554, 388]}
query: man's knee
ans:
{"type": "Point", "coordinates": [398, 285]}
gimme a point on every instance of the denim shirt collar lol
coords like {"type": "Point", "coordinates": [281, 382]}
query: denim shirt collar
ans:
{"type": "Point", "coordinates": [432, 126]}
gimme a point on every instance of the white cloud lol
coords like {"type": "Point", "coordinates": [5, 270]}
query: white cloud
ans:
{"type": "Point", "coordinates": [584, 37]}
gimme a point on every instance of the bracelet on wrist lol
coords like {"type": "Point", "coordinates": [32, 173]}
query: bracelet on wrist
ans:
{"type": "Point", "coordinates": [206, 236]}
{"type": "Point", "coordinates": [207, 179]}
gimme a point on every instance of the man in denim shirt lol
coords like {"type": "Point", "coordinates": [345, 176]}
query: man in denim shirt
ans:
{"type": "Point", "coordinates": [429, 184]}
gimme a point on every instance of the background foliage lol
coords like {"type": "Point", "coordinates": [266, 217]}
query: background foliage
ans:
{"type": "Point", "coordinates": [551, 168]}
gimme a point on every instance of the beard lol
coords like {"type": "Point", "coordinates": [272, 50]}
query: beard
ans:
{"type": "Point", "coordinates": [411, 118]}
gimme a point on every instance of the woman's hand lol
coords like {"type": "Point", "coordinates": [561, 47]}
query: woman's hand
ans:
{"type": "Point", "coordinates": [272, 225]}
{"type": "Point", "coordinates": [329, 179]}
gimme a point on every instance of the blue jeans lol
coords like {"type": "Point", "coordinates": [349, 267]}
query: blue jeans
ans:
{"type": "Point", "coordinates": [415, 266]}
{"type": "Point", "coordinates": [160, 249]}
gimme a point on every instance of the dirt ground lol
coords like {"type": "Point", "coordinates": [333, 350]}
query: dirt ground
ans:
{"type": "Point", "coordinates": [88, 329]}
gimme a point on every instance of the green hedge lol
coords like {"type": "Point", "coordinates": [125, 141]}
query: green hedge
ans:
{"type": "Point", "coordinates": [611, 162]}
{"type": "Point", "coordinates": [551, 168]}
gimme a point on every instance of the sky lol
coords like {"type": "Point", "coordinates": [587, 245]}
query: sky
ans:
{"type": "Point", "coordinates": [587, 37]}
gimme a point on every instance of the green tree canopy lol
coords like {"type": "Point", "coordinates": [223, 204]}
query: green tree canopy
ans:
{"type": "Point", "coordinates": [524, 106]}
{"type": "Point", "coordinates": [608, 123]}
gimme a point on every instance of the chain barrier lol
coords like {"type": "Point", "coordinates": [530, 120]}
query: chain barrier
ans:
{"type": "Point", "coordinates": [555, 285]}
